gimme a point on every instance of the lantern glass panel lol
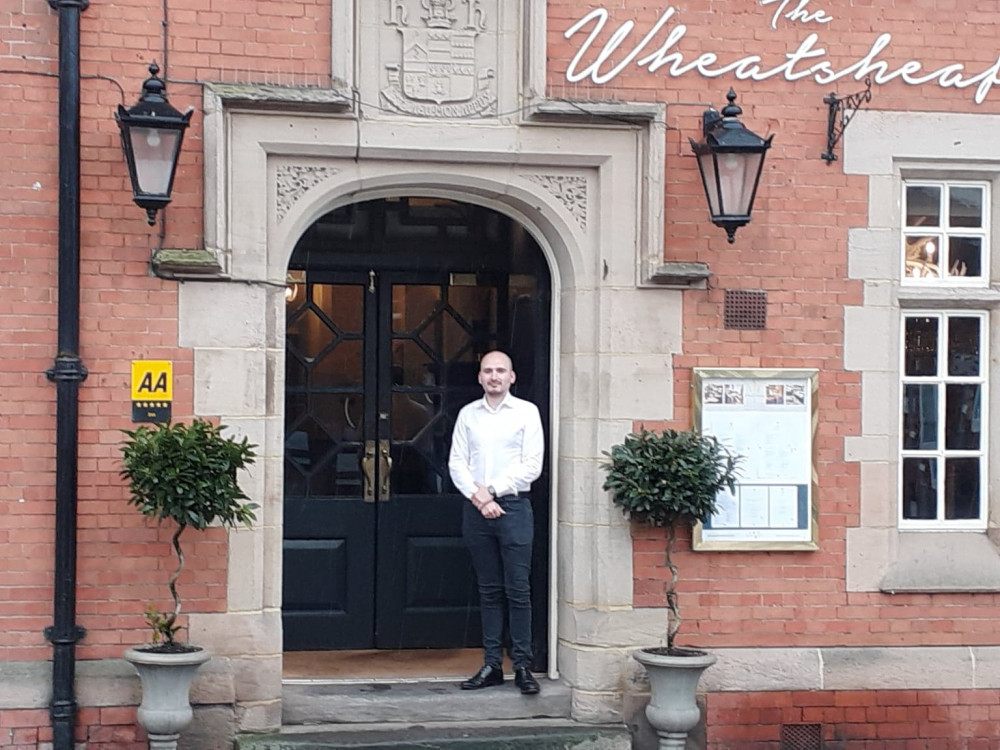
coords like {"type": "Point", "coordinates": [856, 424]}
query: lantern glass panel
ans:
{"type": "Point", "coordinates": [738, 174]}
{"type": "Point", "coordinates": [706, 163]}
{"type": "Point", "coordinates": [154, 151]}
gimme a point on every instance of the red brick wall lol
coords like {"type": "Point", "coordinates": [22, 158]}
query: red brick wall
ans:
{"type": "Point", "coordinates": [124, 561]}
{"type": "Point", "coordinates": [873, 720]}
{"type": "Point", "coordinates": [795, 249]}
{"type": "Point", "coordinates": [97, 729]}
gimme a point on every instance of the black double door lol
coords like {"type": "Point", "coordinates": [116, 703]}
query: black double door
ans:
{"type": "Point", "coordinates": [379, 361]}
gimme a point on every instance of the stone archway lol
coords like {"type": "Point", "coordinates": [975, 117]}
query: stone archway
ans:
{"type": "Point", "coordinates": [585, 194]}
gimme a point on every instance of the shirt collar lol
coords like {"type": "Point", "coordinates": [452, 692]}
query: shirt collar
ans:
{"type": "Point", "coordinates": [508, 402]}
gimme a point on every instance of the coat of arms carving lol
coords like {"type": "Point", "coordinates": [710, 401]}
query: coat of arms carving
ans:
{"type": "Point", "coordinates": [438, 74]}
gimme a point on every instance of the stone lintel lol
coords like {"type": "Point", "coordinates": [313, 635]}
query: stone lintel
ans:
{"type": "Point", "coordinates": [284, 98]}
{"type": "Point", "coordinates": [587, 110]}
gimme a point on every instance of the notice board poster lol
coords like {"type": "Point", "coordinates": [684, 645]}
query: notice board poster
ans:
{"type": "Point", "coordinates": [768, 417]}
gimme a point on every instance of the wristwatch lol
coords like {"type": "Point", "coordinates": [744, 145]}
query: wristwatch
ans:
{"type": "Point", "coordinates": [492, 491]}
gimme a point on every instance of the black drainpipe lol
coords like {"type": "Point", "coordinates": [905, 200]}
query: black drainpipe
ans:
{"type": "Point", "coordinates": [67, 373]}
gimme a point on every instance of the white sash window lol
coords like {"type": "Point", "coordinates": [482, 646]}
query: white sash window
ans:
{"type": "Point", "coordinates": [943, 436]}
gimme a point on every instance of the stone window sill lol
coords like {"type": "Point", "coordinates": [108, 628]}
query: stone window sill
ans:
{"type": "Point", "coordinates": [940, 562]}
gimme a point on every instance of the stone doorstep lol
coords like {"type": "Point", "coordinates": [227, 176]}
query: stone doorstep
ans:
{"type": "Point", "coordinates": [533, 734]}
{"type": "Point", "coordinates": [418, 703]}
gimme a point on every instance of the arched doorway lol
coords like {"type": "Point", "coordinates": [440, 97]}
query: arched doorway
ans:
{"type": "Point", "coordinates": [391, 303]}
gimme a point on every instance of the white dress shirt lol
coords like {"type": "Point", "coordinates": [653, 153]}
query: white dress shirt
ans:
{"type": "Point", "coordinates": [500, 448]}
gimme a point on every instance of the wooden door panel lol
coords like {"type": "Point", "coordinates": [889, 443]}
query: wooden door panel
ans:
{"type": "Point", "coordinates": [326, 602]}
{"type": "Point", "coordinates": [426, 592]}
{"type": "Point", "coordinates": [329, 558]}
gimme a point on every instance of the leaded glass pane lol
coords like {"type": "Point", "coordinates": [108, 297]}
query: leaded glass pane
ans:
{"type": "Point", "coordinates": [412, 366]}
{"type": "Point", "coordinates": [413, 305]}
{"type": "Point", "coordinates": [421, 440]}
{"type": "Point", "coordinates": [340, 366]}
{"type": "Point", "coordinates": [309, 335]}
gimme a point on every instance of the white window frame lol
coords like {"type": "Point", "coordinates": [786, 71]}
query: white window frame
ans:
{"type": "Point", "coordinates": [945, 230]}
{"type": "Point", "coordinates": [942, 380]}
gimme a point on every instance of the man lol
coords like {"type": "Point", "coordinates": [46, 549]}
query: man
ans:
{"type": "Point", "coordinates": [496, 453]}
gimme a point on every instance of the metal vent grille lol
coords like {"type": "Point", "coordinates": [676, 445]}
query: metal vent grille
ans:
{"type": "Point", "coordinates": [745, 309]}
{"type": "Point", "coordinates": [801, 737]}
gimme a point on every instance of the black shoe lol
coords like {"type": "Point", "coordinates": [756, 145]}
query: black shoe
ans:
{"type": "Point", "coordinates": [526, 681]}
{"type": "Point", "coordinates": [488, 676]}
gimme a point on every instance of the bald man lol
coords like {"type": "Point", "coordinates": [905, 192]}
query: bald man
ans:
{"type": "Point", "coordinates": [496, 453]}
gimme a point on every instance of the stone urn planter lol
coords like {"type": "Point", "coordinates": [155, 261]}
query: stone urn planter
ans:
{"type": "Point", "coordinates": [673, 680]}
{"type": "Point", "coordinates": [186, 474]}
{"type": "Point", "coordinates": [664, 480]}
{"type": "Point", "coordinates": [166, 679]}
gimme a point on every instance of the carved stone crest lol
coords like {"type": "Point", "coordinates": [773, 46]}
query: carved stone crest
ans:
{"type": "Point", "coordinates": [438, 74]}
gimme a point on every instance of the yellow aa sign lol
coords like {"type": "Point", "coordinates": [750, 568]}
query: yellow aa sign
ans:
{"type": "Point", "coordinates": [152, 380]}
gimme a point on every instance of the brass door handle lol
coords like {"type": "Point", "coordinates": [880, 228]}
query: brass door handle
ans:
{"type": "Point", "coordinates": [385, 466]}
{"type": "Point", "coordinates": [368, 471]}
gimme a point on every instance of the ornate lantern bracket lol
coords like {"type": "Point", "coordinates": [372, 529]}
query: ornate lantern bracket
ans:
{"type": "Point", "coordinates": [846, 107]}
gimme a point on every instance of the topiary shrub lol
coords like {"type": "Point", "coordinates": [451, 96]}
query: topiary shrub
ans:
{"type": "Point", "coordinates": [186, 474]}
{"type": "Point", "coordinates": [663, 479]}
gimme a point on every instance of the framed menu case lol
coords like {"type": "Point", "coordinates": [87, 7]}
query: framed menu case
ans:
{"type": "Point", "coordinates": [768, 417]}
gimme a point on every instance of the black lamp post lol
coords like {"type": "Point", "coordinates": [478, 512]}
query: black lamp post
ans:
{"type": "Point", "coordinates": [152, 132]}
{"type": "Point", "coordinates": [730, 159]}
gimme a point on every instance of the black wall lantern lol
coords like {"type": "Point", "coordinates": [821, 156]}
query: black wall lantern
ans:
{"type": "Point", "coordinates": [730, 159]}
{"type": "Point", "coordinates": [152, 132]}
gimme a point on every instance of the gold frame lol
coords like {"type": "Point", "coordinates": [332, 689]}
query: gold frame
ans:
{"type": "Point", "coordinates": [811, 376]}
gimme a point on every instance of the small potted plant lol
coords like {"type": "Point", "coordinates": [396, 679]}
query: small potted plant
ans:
{"type": "Point", "coordinates": [185, 474]}
{"type": "Point", "coordinates": [663, 480]}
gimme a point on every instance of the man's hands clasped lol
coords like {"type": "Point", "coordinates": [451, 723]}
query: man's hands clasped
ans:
{"type": "Point", "coordinates": [486, 503]}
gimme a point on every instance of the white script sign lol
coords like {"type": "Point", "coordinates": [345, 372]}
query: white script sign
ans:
{"type": "Point", "coordinates": [807, 61]}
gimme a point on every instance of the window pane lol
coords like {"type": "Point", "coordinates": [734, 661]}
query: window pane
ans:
{"type": "Point", "coordinates": [965, 207]}
{"type": "Point", "coordinates": [921, 346]}
{"type": "Point", "coordinates": [920, 417]}
{"type": "Point", "coordinates": [340, 415]}
{"type": "Point", "coordinates": [965, 256]}
{"type": "Point", "coordinates": [963, 346]}
{"type": "Point", "coordinates": [296, 372]}
{"type": "Point", "coordinates": [413, 306]}
{"type": "Point", "coordinates": [340, 366]}
{"type": "Point", "coordinates": [962, 421]}
{"type": "Point", "coordinates": [923, 206]}
{"type": "Point", "coordinates": [923, 253]}
{"type": "Point", "coordinates": [920, 488]}
{"type": "Point", "coordinates": [420, 443]}
{"type": "Point", "coordinates": [961, 488]}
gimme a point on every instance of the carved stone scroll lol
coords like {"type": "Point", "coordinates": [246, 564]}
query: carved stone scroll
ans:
{"type": "Point", "coordinates": [570, 190]}
{"type": "Point", "coordinates": [294, 180]}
